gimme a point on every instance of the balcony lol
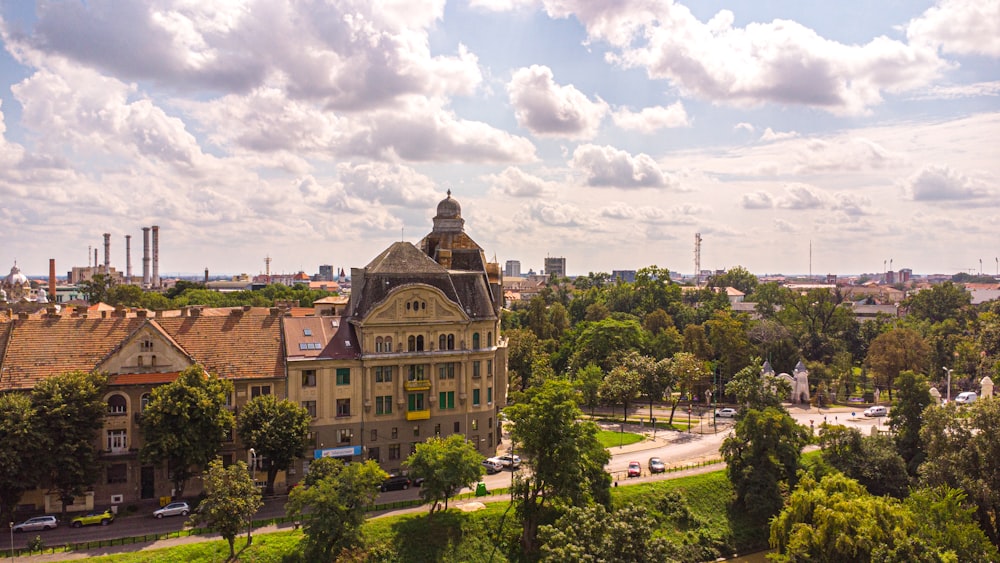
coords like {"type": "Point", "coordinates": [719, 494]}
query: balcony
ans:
{"type": "Point", "coordinates": [418, 415]}
{"type": "Point", "coordinates": [417, 385]}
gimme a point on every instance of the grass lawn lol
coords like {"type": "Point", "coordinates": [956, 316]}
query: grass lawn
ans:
{"type": "Point", "coordinates": [610, 438]}
{"type": "Point", "coordinates": [692, 511]}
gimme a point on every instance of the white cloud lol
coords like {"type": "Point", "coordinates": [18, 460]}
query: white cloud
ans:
{"type": "Point", "coordinates": [850, 153]}
{"type": "Point", "coordinates": [389, 184]}
{"type": "Point", "coordinates": [556, 214]}
{"type": "Point", "coordinates": [802, 196]}
{"type": "Point", "coordinates": [514, 182]}
{"type": "Point", "coordinates": [769, 135]}
{"type": "Point", "coordinates": [650, 120]}
{"type": "Point", "coordinates": [781, 62]}
{"type": "Point", "coordinates": [745, 127]}
{"type": "Point", "coordinates": [502, 5]}
{"type": "Point", "coordinates": [608, 166]}
{"type": "Point", "coordinates": [961, 27]}
{"type": "Point", "coordinates": [757, 200]}
{"type": "Point", "coordinates": [941, 183]}
{"type": "Point", "coordinates": [548, 109]}
{"type": "Point", "coordinates": [958, 91]}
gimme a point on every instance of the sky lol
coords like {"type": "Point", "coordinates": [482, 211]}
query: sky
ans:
{"type": "Point", "coordinates": [795, 137]}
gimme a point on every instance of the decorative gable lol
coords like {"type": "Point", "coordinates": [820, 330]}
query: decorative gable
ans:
{"type": "Point", "coordinates": [147, 350]}
{"type": "Point", "coordinates": [415, 304]}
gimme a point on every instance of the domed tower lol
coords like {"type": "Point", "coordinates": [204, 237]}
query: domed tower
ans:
{"type": "Point", "coordinates": [16, 284]}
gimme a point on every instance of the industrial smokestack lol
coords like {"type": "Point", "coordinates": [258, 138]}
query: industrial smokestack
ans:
{"type": "Point", "coordinates": [107, 253]}
{"type": "Point", "coordinates": [95, 259]}
{"type": "Point", "coordinates": [206, 275]}
{"type": "Point", "coordinates": [128, 259]}
{"type": "Point", "coordinates": [145, 257]}
{"type": "Point", "coordinates": [52, 279]}
{"type": "Point", "coordinates": [156, 256]}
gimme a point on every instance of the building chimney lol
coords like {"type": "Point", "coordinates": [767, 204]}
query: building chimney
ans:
{"type": "Point", "coordinates": [156, 256]}
{"type": "Point", "coordinates": [52, 279]}
{"type": "Point", "coordinates": [107, 253]}
{"type": "Point", "coordinates": [206, 275]}
{"type": "Point", "coordinates": [128, 259]}
{"type": "Point", "coordinates": [145, 257]}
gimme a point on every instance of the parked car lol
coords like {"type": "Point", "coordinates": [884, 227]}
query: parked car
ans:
{"type": "Point", "coordinates": [966, 398]}
{"type": "Point", "coordinates": [37, 523]}
{"type": "Point", "coordinates": [173, 509]}
{"type": "Point", "coordinates": [492, 465]}
{"type": "Point", "coordinates": [876, 410]}
{"type": "Point", "coordinates": [509, 460]}
{"type": "Point", "coordinates": [102, 518]}
{"type": "Point", "coordinates": [656, 465]}
{"type": "Point", "coordinates": [634, 469]}
{"type": "Point", "coordinates": [395, 483]}
{"type": "Point", "coordinates": [726, 412]}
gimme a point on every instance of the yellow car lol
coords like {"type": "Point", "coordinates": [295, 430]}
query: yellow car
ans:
{"type": "Point", "coordinates": [102, 518]}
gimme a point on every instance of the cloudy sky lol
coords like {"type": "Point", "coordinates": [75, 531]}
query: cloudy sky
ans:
{"type": "Point", "coordinates": [606, 132]}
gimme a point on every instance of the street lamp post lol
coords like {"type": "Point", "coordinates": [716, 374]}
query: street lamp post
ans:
{"type": "Point", "coordinates": [11, 541]}
{"type": "Point", "coordinates": [948, 371]}
{"type": "Point", "coordinates": [252, 459]}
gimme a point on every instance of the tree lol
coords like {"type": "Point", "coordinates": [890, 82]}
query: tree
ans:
{"type": "Point", "coordinates": [521, 344]}
{"type": "Point", "coordinates": [125, 295]}
{"type": "Point", "coordinates": [895, 351]}
{"type": "Point", "coordinates": [696, 342]}
{"type": "Point", "coordinates": [588, 383]}
{"type": "Point", "coordinates": [870, 460]}
{"type": "Point", "coordinates": [762, 457]}
{"type": "Point", "coordinates": [69, 414]}
{"type": "Point", "coordinates": [95, 290]}
{"type": "Point", "coordinates": [565, 458]}
{"type": "Point", "coordinates": [621, 386]}
{"type": "Point", "coordinates": [754, 390]}
{"type": "Point", "coordinates": [906, 417]}
{"type": "Point", "coordinates": [961, 446]}
{"type": "Point", "coordinates": [656, 379]}
{"type": "Point", "coordinates": [685, 370]}
{"type": "Point", "coordinates": [331, 503]}
{"type": "Point", "coordinates": [591, 533]}
{"type": "Point", "coordinates": [446, 465]}
{"type": "Point", "coordinates": [20, 454]}
{"type": "Point", "coordinates": [276, 430]}
{"type": "Point", "coordinates": [739, 278]}
{"type": "Point", "coordinates": [602, 342]}
{"type": "Point", "coordinates": [941, 302]}
{"type": "Point", "coordinates": [184, 423]}
{"type": "Point", "coordinates": [231, 501]}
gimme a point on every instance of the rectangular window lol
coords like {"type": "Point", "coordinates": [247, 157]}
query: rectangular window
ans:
{"type": "Point", "coordinates": [395, 432]}
{"type": "Point", "coordinates": [117, 473]}
{"type": "Point", "coordinates": [437, 430]}
{"type": "Point", "coordinates": [475, 424]}
{"type": "Point", "coordinates": [258, 390]}
{"type": "Point", "coordinates": [475, 369]}
{"type": "Point", "coordinates": [374, 437]}
{"type": "Point", "coordinates": [415, 372]}
{"type": "Point", "coordinates": [446, 400]}
{"type": "Point", "coordinates": [415, 401]}
{"type": "Point", "coordinates": [345, 435]}
{"type": "Point", "coordinates": [457, 427]}
{"type": "Point", "coordinates": [343, 376]}
{"type": "Point", "coordinates": [117, 440]}
{"type": "Point", "coordinates": [489, 368]}
{"type": "Point", "coordinates": [489, 395]}
{"type": "Point", "coordinates": [383, 404]}
{"type": "Point", "coordinates": [373, 453]}
{"type": "Point", "coordinates": [416, 433]}
{"type": "Point", "coordinates": [446, 371]}
{"type": "Point", "coordinates": [383, 374]}
{"type": "Point", "coordinates": [309, 378]}
{"type": "Point", "coordinates": [475, 397]}
{"type": "Point", "coordinates": [393, 451]}
{"type": "Point", "coordinates": [310, 407]}
{"type": "Point", "coordinates": [343, 407]}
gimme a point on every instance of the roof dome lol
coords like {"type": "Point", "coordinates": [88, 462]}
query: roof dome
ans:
{"type": "Point", "coordinates": [15, 277]}
{"type": "Point", "coordinates": [449, 208]}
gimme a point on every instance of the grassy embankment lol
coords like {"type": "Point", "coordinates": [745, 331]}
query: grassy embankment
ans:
{"type": "Point", "coordinates": [692, 510]}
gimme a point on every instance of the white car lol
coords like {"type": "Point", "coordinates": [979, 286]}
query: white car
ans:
{"type": "Point", "coordinates": [508, 460]}
{"type": "Point", "coordinates": [173, 509]}
{"type": "Point", "coordinates": [725, 413]}
{"type": "Point", "coordinates": [877, 410]}
{"type": "Point", "coordinates": [966, 398]}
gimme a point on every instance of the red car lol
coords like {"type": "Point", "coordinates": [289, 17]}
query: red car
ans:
{"type": "Point", "coordinates": [634, 469]}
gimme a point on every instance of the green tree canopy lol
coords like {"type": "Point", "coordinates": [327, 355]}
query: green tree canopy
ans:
{"type": "Point", "coordinates": [895, 351]}
{"type": "Point", "coordinates": [754, 390]}
{"type": "Point", "coordinates": [184, 423]}
{"type": "Point", "coordinates": [938, 303]}
{"type": "Point", "coordinates": [592, 533]}
{"type": "Point", "coordinates": [446, 465]}
{"type": "Point", "coordinates": [230, 503]}
{"type": "Point", "coordinates": [621, 386]}
{"type": "Point", "coordinates": [69, 414]}
{"type": "Point", "coordinates": [762, 457]}
{"type": "Point", "coordinates": [870, 460]}
{"type": "Point", "coordinates": [20, 435]}
{"type": "Point", "coordinates": [331, 504]}
{"type": "Point", "coordinates": [739, 278]}
{"type": "Point", "coordinates": [906, 417]}
{"type": "Point", "coordinates": [603, 341]}
{"type": "Point", "coordinates": [565, 458]}
{"type": "Point", "coordinates": [588, 384]}
{"type": "Point", "coordinates": [276, 430]}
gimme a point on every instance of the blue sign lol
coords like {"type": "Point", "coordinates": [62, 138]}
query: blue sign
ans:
{"type": "Point", "coordinates": [346, 451]}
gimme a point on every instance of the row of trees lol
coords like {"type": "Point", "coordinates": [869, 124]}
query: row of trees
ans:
{"type": "Point", "coordinates": [102, 289]}
{"type": "Point", "coordinates": [49, 434]}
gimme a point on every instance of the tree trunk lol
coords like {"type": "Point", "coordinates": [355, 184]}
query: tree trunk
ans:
{"type": "Point", "coordinates": [232, 550]}
{"type": "Point", "coordinates": [272, 474]}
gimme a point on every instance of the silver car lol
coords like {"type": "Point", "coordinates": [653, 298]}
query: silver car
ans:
{"type": "Point", "coordinates": [173, 509]}
{"type": "Point", "coordinates": [37, 523]}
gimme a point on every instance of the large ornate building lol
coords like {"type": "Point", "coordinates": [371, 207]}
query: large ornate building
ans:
{"type": "Point", "coordinates": [417, 354]}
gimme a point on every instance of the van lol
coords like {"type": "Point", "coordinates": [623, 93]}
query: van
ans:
{"type": "Point", "coordinates": [877, 410]}
{"type": "Point", "coordinates": [966, 398]}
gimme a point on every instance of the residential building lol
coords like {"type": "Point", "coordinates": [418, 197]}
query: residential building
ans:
{"type": "Point", "coordinates": [326, 273]}
{"type": "Point", "coordinates": [512, 269]}
{"type": "Point", "coordinates": [417, 354]}
{"type": "Point", "coordinates": [555, 267]}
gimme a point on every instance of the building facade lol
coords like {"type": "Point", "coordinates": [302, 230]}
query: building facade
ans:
{"type": "Point", "coordinates": [417, 355]}
{"type": "Point", "coordinates": [512, 269]}
{"type": "Point", "coordinates": [555, 267]}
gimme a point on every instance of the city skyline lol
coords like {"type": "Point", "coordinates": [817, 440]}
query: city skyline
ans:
{"type": "Point", "coordinates": [794, 138]}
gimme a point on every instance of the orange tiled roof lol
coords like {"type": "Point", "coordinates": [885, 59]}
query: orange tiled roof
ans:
{"type": "Point", "coordinates": [233, 346]}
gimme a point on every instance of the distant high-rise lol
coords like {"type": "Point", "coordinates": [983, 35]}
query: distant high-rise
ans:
{"type": "Point", "coordinates": [326, 272]}
{"type": "Point", "coordinates": [555, 266]}
{"type": "Point", "coordinates": [623, 275]}
{"type": "Point", "coordinates": [512, 269]}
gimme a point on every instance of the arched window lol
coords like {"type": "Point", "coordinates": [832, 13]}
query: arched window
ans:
{"type": "Point", "coordinates": [117, 404]}
{"type": "Point", "coordinates": [416, 305]}
{"type": "Point", "coordinates": [140, 361]}
{"type": "Point", "coordinates": [378, 343]}
{"type": "Point", "coordinates": [420, 343]}
{"type": "Point", "coordinates": [451, 341]}
{"type": "Point", "coordinates": [388, 344]}
{"type": "Point", "coordinates": [475, 340]}
{"type": "Point", "coordinates": [442, 343]}
{"type": "Point", "coordinates": [489, 339]}
{"type": "Point", "coordinates": [411, 343]}
{"type": "Point", "coordinates": [144, 401]}
{"type": "Point", "coordinates": [408, 305]}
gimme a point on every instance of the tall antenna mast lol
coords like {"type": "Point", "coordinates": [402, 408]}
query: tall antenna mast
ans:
{"type": "Point", "coordinates": [810, 258]}
{"type": "Point", "coordinates": [697, 259]}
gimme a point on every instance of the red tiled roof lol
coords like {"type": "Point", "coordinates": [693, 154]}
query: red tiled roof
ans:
{"type": "Point", "coordinates": [235, 346]}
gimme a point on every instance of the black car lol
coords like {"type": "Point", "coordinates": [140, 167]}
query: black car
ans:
{"type": "Point", "coordinates": [395, 483]}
